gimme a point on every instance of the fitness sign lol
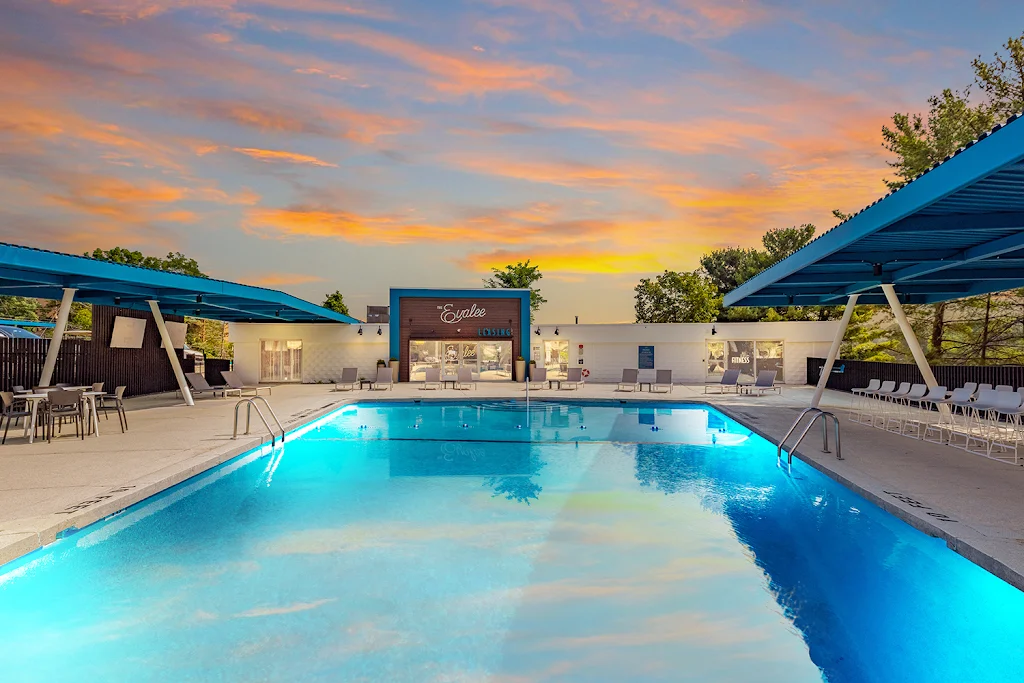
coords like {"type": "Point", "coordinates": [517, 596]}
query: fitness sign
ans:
{"type": "Point", "coordinates": [453, 316]}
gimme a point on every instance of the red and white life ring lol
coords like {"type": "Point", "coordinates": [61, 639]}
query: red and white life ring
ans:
{"type": "Point", "coordinates": [586, 373]}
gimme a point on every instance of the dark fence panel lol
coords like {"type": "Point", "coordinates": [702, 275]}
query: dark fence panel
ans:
{"type": "Point", "coordinates": [80, 362]}
{"type": "Point", "coordinates": [214, 366]}
{"type": "Point", "coordinates": [853, 374]}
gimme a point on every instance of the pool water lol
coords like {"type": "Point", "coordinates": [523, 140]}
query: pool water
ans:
{"type": "Point", "coordinates": [483, 542]}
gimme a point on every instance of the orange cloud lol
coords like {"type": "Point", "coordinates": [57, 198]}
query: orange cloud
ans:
{"type": "Point", "coordinates": [570, 260]}
{"type": "Point", "coordinates": [281, 279]}
{"type": "Point", "coordinates": [271, 156]}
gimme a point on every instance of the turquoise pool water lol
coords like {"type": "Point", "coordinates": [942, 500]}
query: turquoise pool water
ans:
{"type": "Point", "coordinates": [470, 542]}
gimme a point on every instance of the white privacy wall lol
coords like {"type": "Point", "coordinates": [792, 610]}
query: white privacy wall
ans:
{"type": "Point", "coordinates": [607, 349]}
{"type": "Point", "coordinates": [326, 348]}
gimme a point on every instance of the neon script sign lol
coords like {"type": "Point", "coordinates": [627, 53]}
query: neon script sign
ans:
{"type": "Point", "coordinates": [451, 316]}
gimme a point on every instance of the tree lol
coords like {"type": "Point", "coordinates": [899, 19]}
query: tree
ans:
{"type": "Point", "coordinates": [867, 337]}
{"type": "Point", "coordinates": [336, 302]}
{"type": "Point", "coordinates": [175, 262]}
{"type": "Point", "coordinates": [677, 298]}
{"type": "Point", "coordinates": [520, 276]}
{"type": "Point", "coordinates": [19, 308]}
{"type": "Point", "coordinates": [1002, 80]}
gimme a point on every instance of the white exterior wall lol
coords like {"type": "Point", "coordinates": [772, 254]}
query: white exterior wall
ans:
{"type": "Point", "coordinates": [326, 348]}
{"type": "Point", "coordinates": [607, 349]}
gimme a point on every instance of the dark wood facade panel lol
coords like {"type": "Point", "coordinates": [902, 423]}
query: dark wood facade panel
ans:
{"type": "Point", "coordinates": [461, 319]}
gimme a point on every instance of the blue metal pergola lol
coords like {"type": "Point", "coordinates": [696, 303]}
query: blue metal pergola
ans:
{"type": "Point", "coordinates": [51, 275]}
{"type": "Point", "coordinates": [46, 274]}
{"type": "Point", "coordinates": [955, 231]}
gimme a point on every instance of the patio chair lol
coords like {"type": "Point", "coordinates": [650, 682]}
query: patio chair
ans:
{"type": "Point", "coordinates": [349, 379]}
{"type": "Point", "coordinates": [432, 379]}
{"type": "Point", "coordinates": [1005, 429]}
{"type": "Point", "coordinates": [859, 396]}
{"type": "Point", "coordinates": [918, 423]}
{"type": "Point", "coordinates": [538, 377]}
{"type": "Point", "coordinates": [973, 386]}
{"type": "Point", "coordinates": [61, 405]}
{"type": "Point", "coordinates": [984, 386]}
{"type": "Point", "coordinates": [960, 398]}
{"type": "Point", "coordinates": [12, 411]}
{"type": "Point", "coordinates": [232, 379]}
{"type": "Point", "coordinates": [115, 402]}
{"type": "Point", "coordinates": [573, 379]}
{"type": "Point", "coordinates": [97, 386]}
{"type": "Point", "coordinates": [899, 416]}
{"type": "Point", "coordinates": [977, 420]}
{"type": "Point", "coordinates": [630, 380]}
{"type": "Point", "coordinates": [199, 385]}
{"type": "Point", "coordinates": [383, 381]}
{"type": "Point", "coordinates": [662, 380]}
{"type": "Point", "coordinates": [1004, 387]}
{"type": "Point", "coordinates": [465, 379]}
{"type": "Point", "coordinates": [765, 382]}
{"type": "Point", "coordinates": [730, 380]}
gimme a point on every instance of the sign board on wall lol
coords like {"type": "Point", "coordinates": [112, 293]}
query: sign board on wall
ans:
{"type": "Point", "coordinates": [128, 333]}
{"type": "Point", "coordinates": [645, 358]}
{"type": "Point", "coordinates": [177, 332]}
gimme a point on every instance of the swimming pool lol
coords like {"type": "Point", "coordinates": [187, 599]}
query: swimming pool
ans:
{"type": "Point", "coordinates": [485, 542]}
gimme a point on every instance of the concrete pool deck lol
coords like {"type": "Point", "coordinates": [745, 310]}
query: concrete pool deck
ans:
{"type": "Point", "coordinates": [973, 503]}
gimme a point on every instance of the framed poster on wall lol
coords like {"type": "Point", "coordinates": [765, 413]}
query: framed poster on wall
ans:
{"type": "Point", "coordinates": [128, 333]}
{"type": "Point", "coordinates": [645, 357]}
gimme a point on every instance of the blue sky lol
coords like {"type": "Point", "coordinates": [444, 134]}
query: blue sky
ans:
{"type": "Point", "coordinates": [313, 145]}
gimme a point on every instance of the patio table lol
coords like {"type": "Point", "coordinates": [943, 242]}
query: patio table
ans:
{"type": "Point", "coordinates": [33, 407]}
{"type": "Point", "coordinates": [90, 403]}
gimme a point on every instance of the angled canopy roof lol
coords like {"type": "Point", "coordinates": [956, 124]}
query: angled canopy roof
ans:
{"type": "Point", "coordinates": [955, 231]}
{"type": "Point", "coordinates": [44, 274]}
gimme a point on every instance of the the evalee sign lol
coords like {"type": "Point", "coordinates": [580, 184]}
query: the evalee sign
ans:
{"type": "Point", "coordinates": [452, 315]}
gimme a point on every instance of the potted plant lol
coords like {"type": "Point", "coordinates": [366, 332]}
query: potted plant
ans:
{"type": "Point", "coordinates": [381, 363]}
{"type": "Point", "coordinates": [520, 369]}
{"type": "Point", "coordinates": [393, 362]}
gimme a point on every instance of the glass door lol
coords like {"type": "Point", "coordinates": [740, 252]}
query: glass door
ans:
{"type": "Point", "coordinates": [556, 358]}
{"type": "Point", "coordinates": [495, 359]}
{"type": "Point", "coordinates": [281, 360]}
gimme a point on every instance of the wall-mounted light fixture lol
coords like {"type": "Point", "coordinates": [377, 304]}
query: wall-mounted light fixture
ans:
{"type": "Point", "coordinates": [379, 332]}
{"type": "Point", "coordinates": [876, 269]}
{"type": "Point", "coordinates": [713, 331]}
{"type": "Point", "coordinates": [537, 332]}
{"type": "Point", "coordinates": [360, 331]}
{"type": "Point", "coordinates": [117, 301]}
{"type": "Point", "coordinates": [198, 311]}
{"type": "Point", "coordinates": [556, 331]}
{"type": "Point", "coordinates": [199, 298]}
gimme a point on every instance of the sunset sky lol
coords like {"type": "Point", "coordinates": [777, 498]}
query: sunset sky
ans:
{"type": "Point", "coordinates": [314, 145]}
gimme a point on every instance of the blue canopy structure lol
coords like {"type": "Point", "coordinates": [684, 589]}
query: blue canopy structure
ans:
{"type": "Point", "coordinates": [955, 231]}
{"type": "Point", "coordinates": [46, 274]}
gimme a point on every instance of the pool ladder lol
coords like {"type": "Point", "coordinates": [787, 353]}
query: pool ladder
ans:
{"type": "Point", "coordinates": [816, 414]}
{"type": "Point", "coordinates": [250, 403]}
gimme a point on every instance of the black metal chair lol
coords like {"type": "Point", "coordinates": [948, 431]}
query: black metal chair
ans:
{"type": "Point", "coordinates": [117, 405]}
{"type": "Point", "coordinates": [12, 411]}
{"type": "Point", "coordinates": [62, 404]}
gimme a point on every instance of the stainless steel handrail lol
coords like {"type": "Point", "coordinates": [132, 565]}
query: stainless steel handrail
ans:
{"type": "Point", "coordinates": [249, 405]}
{"type": "Point", "coordinates": [816, 414]}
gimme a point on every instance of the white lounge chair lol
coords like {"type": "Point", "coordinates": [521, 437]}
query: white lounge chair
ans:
{"type": "Point", "coordinates": [235, 382]}
{"type": "Point", "coordinates": [765, 382]}
{"type": "Point", "coordinates": [630, 380]}
{"type": "Point", "coordinates": [730, 379]}
{"type": "Point", "coordinates": [465, 379]}
{"type": "Point", "coordinates": [383, 381]}
{"type": "Point", "coordinates": [662, 381]}
{"type": "Point", "coordinates": [573, 379]}
{"type": "Point", "coordinates": [199, 385]}
{"type": "Point", "coordinates": [432, 379]}
{"type": "Point", "coordinates": [349, 380]}
{"type": "Point", "coordinates": [538, 378]}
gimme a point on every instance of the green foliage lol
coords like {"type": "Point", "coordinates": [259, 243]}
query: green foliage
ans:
{"type": "Point", "coordinates": [520, 276]}
{"type": "Point", "coordinates": [208, 336]}
{"type": "Point", "coordinates": [1002, 80]}
{"type": "Point", "coordinates": [336, 303]}
{"type": "Point", "coordinates": [677, 298]}
{"type": "Point", "coordinates": [18, 308]}
{"type": "Point", "coordinates": [175, 262]}
{"type": "Point", "coordinates": [868, 337]}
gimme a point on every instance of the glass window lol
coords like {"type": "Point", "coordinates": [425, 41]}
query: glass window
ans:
{"type": "Point", "coordinates": [769, 357]}
{"type": "Point", "coordinates": [716, 361]}
{"type": "Point", "coordinates": [740, 356]}
{"type": "Point", "coordinates": [556, 358]}
{"type": "Point", "coordinates": [281, 360]}
{"type": "Point", "coordinates": [422, 355]}
{"type": "Point", "coordinates": [495, 360]}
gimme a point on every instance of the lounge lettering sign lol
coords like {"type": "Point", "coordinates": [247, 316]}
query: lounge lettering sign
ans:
{"type": "Point", "coordinates": [452, 315]}
{"type": "Point", "coordinates": [494, 332]}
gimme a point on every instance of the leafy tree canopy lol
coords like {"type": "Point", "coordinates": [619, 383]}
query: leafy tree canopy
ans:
{"type": "Point", "coordinates": [520, 276]}
{"type": "Point", "coordinates": [677, 298]}
{"type": "Point", "coordinates": [336, 302]}
{"type": "Point", "coordinates": [174, 262]}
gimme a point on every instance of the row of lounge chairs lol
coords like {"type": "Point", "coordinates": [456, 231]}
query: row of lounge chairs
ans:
{"type": "Point", "coordinates": [764, 382]}
{"type": "Point", "coordinates": [233, 385]}
{"type": "Point", "coordinates": [978, 418]}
